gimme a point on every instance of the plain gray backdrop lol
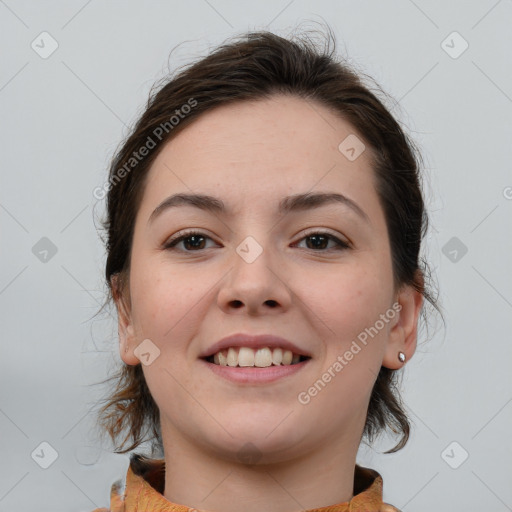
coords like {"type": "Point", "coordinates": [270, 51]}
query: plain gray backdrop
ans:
{"type": "Point", "coordinates": [75, 75]}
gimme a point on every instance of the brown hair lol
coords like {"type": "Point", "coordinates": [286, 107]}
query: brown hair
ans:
{"type": "Point", "coordinates": [255, 66]}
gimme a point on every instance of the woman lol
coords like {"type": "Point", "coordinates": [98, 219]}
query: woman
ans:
{"type": "Point", "coordinates": [264, 226]}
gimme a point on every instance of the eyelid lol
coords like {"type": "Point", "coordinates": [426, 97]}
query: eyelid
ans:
{"type": "Point", "coordinates": [327, 231]}
{"type": "Point", "coordinates": [342, 242]}
{"type": "Point", "coordinates": [184, 233]}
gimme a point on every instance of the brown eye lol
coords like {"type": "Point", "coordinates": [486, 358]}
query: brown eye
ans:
{"type": "Point", "coordinates": [193, 241]}
{"type": "Point", "coordinates": [320, 240]}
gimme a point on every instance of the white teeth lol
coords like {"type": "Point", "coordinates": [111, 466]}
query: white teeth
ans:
{"type": "Point", "coordinates": [260, 358]}
{"type": "Point", "coordinates": [277, 356]}
{"type": "Point", "coordinates": [232, 357]}
{"type": "Point", "coordinates": [245, 357]}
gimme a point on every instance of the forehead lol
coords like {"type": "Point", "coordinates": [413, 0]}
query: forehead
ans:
{"type": "Point", "coordinates": [248, 152]}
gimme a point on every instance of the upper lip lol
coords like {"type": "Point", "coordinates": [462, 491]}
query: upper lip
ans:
{"type": "Point", "coordinates": [254, 342]}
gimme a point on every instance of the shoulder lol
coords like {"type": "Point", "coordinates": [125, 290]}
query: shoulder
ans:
{"type": "Point", "coordinates": [116, 498]}
{"type": "Point", "coordinates": [388, 508]}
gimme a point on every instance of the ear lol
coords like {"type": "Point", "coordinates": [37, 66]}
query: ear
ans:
{"type": "Point", "coordinates": [127, 338]}
{"type": "Point", "coordinates": [403, 334]}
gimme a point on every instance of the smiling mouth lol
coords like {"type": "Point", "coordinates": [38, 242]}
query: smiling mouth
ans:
{"type": "Point", "coordinates": [248, 358]}
{"type": "Point", "coordinates": [301, 359]}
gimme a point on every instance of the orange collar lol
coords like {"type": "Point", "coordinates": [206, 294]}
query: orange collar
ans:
{"type": "Point", "coordinates": [145, 482]}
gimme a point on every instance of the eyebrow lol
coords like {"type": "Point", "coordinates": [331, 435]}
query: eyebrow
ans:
{"type": "Point", "coordinates": [293, 203]}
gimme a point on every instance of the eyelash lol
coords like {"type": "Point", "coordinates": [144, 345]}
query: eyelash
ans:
{"type": "Point", "coordinates": [341, 245]}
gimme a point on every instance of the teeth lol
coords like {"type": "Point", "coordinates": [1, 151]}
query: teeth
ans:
{"type": "Point", "coordinates": [232, 357]}
{"type": "Point", "coordinates": [260, 358]}
{"type": "Point", "coordinates": [246, 357]}
{"type": "Point", "coordinates": [287, 357]}
{"type": "Point", "coordinates": [277, 356]}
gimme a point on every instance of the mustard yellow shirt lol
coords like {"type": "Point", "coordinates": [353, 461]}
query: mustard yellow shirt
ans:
{"type": "Point", "coordinates": [145, 481]}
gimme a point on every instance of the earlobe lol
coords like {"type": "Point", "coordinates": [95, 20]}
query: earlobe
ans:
{"type": "Point", "coordinates": [127, 344]}
{"type": "Point", "coordinates": [403, 335]}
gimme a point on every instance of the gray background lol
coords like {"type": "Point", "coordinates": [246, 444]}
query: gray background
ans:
{"type": "Point", "coordinates": [62, 118]}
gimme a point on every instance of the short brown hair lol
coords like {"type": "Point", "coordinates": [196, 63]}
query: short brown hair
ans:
{"type": "Point", "coordinates": [255, 66]}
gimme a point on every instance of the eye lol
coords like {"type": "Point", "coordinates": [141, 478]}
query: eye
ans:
{"type": "Point", "coordinates": [193, 238]}
{"type": "Point", "coordinates": [196, 241]}
{"type": "Point", "coordinates": [320, 238]}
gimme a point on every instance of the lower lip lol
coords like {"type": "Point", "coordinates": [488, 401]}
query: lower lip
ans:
{"type": "Point", "coordinates": [252, 375]}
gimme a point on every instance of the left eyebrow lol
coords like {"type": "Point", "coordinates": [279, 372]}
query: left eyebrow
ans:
{"type": "Point", "coordinates": [293, 203]}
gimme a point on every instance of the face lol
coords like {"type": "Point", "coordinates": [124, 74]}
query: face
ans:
{"type": "Point", "coordinates": [323, 278]}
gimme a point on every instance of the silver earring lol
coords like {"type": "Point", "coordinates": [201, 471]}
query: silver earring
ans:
{"type": "Point", "coordinates": [401, 357]}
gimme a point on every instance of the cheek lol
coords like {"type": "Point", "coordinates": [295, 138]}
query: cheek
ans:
{"type": "Point", "coordinates": [348, 304]}
{"type": "Point", "coordinates": [165, 298]}
{"type": "Point", "coordinates": [349, 299]}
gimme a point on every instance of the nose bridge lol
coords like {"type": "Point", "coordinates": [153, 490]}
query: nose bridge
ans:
{"type": "Point", "coordinates": [253, 280]}
{"type": "Point", "coordinates": [253, 260]}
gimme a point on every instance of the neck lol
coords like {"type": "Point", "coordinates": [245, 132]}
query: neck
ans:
{"type": "Point", "coordinates": [319, 478]}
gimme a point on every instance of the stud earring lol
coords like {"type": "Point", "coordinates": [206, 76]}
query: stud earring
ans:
{"type": "Point", "coordinates": [401, 357]}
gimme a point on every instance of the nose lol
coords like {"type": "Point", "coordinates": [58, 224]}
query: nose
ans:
{"type": "Point", "coordinates": [255, 285]}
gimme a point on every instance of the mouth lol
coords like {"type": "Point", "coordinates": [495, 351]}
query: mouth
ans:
{"type": "Point", "coordinates": [245, 357]}
{"type": "Point", "coordinates": [255, 366]}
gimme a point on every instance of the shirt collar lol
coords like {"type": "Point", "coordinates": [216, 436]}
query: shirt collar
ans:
{"type": "Point", "coordinates": [145, 482]}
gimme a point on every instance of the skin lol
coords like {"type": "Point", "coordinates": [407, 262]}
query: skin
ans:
{"type": "Point", "coordinates": [251, 155]}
